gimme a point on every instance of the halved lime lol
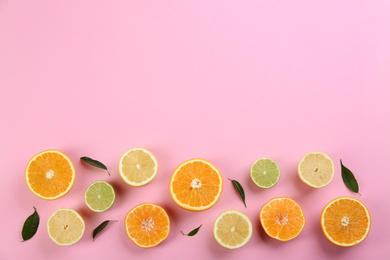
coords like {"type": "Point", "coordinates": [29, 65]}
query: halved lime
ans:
{"type": "Point", "coordinates": [265, 173]}
{"type": "Point", "coordinates": [99, 196]}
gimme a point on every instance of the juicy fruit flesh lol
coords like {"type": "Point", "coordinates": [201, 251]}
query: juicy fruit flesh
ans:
{"type": "Point", "coordinates": [50, 175]}
{"type": "Point", "coordinates": [232, 230]}
{"type": "Point", "coordinates": [282, 219]}
{"type": "Point", "coordinates": [196, 185]}
{"type": "Point", "coordinates": [265, 173]}
{"type": "Point", "coordinates": [345, 221]}
{"type": "Point", "coordinates": [316, 169]}
{"type": "Point", "coordinates": [147, 225]}
{"type": "Point", "coordinates": [65, 227]}
{"type": "Point", "coordinates": [137, 166]}
{"type": "Point", "coordinates": [99, 196]}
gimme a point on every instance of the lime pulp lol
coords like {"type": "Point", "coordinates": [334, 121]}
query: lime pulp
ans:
{"type": "Point", "coordinates": [265, 173]}
{"type": "Point", "coordinates": [99, 196]}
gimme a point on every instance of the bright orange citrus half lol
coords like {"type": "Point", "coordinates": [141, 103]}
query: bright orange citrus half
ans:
{"type": "Point", "coordinates": [282, 218]}
{"type": "Point", "coordinates": [147, 225]}
{"type": "Point", "coordinates": [50, 174]}
{"type": "Point", "coordinates": [196, 185]}
{"type": "Point", "coordinates": [345, 221]}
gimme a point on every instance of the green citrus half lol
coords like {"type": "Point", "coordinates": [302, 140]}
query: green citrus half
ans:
{"type": "Point", "coordinates": [99, 196]}
{"type": "Point", "coordinates": [265, 173]}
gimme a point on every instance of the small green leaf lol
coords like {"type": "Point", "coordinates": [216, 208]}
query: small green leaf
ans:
{"type": "Point", "coordinates": [349, 179]}
{"type": "Point", "coordinates": [192, 233]}
{"type": "Point", "coordinates": [239, 189]}
{"type": "Point", "coordinates": [95, 163]}
{"type": "Point", "coordinates": [30, 226]}
{"type": "Point", "coordinates": [101, 227]}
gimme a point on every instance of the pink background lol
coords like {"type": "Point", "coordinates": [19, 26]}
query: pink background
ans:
{"type": "Point", "coordinates": [228, 81]}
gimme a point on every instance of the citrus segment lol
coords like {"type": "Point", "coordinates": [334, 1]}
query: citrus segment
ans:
{"type": "Point", "coordinates": [282, 218]}
{"type": "Point", "coordinates": [138, 167]}
{"type": "Point", "coordinates": [65, 227]}
{"type": "Point", "coordinates": [265, 173]}
{"type": "Point", "coordinates": [232, 229]}
{"type": "Point", "coordinates": [147, 225]}
{"type": "Point", "coordinates": [99, 196]}
{"type": "Point", "coordinates": [50, 174]}
{"type": "Point", "coordinates": [345, 221]}
{"type": "Point", "coordinates": [196, 185]}
{"type": "Point", "coordinates": [316, 169]}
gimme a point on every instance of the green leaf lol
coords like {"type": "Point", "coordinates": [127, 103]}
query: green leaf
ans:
{"type": "Point", "coordinates": [349, 179]}
{"type": "Point", "coordinates": [192, 233]}
{"type": "Point", "coordinates": [95, 163]}
{"type": "Point", "coordinates": [101, 227]}
{"type": "Point", "coordinates": [240, 190]}
{"type": "Point", "coordinates": [30, 226]}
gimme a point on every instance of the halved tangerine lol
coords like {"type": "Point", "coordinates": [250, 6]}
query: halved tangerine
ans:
{"type": "Point", "coordinates": [147, 225]}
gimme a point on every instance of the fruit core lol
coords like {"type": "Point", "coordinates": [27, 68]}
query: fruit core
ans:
{"type": "Point", "coordinates": [49, 174]}
{"type": "Point", "coordinates": [196, 183]}
{"type": "Point", "coordinates": [282, 219]}
{"type": "Point", "coordinates": [345, 221]}
{"type": "Point", "coordinates": [147, 224]}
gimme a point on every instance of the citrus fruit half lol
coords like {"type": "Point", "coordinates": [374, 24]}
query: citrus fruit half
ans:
{"type": "Point", "coordinates": [147, 225]}
{"type": "Point", "coordinates": [50, 174]}
{"type": "Point", "coordinates": [65, 227]}
{"type": "Point", "coordinates": [282, 218]}
{"type": "Point", "coordinates": [345, 221]}
{"type": "Point", "coordinates": [316, 169]}
{"type": "Point", "coordinates": [138, 167]}
{"type": "Point", "coordinates": [196, 185]}
{"type": "Point", "coordinates": [232, 229]}
{"type": "Point", "coordinates": [265, 173]}
{"type": "Point", "coordinates": [99, 196]}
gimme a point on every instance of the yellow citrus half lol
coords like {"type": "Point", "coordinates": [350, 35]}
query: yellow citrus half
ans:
{"type": "Point", "coordinates": [65, 227]}
{"type": "Point", "coordinates": [138, 167]}
{"type": "Point", "coordinates": [316, 169]}
{"type": "Point", "coordinates": [232, 229]}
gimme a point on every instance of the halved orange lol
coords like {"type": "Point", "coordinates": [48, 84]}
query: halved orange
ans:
{"type": "Point", "coordinates": [345, 221]}
{"type": "Point", "coordinates": [282, 218]}
{"type": "Point", "coordinates": [147, 225]}
{"type": "Point", "coordinates": [196, 185]}
{"type": "Point", "coordinates": [50, 174]}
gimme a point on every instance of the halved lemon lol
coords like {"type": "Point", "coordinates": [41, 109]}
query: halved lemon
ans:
{"type": "Point", "coordinates": [50, 174]}
{"type": "Point", "coordinates": [196, 185]}
{"type": "Point", "coordinates": [316, 169]}
{"type": "Point", "coordinates": [232, 229]}
{"type": "Point", "coordinates": [138, 167]}
{"type": "Point", "coordinates": [345, 221]}
{"type": "Point", "coordinates": [65, 227]}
